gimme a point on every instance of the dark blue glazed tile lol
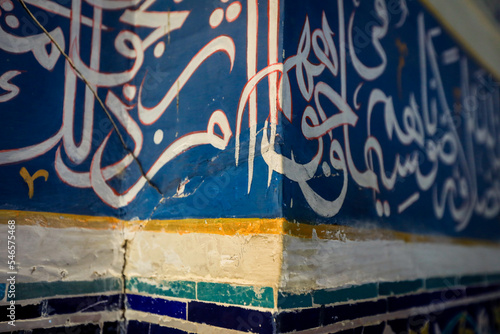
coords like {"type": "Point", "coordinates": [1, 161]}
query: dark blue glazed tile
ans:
{"type": "Point", "coordinates": [375, 329]}
{"type": "Point", "coordinates": [80, 304]}
{"type": "Point", "coordinates": [338, 313]}
{"type": "Point", "coordinates": [357, 292]}
{"type": "Point", "coordinates": [480, 290]}
{"type": "Point", "coordinates": [145, 327]}
{"type": "Point", "coordinates": [447, 295]}
{"type": "Point", "coordinates": [231, 317]}
{"type": "Point", "coordinates": [22, 312]}
{"type": "Point", "coordinates": [113, 328]}
{"type": "Point", "coordinates": [299, 320]}
{"type": "Point", "coordinates": [171, 308]}
{"type": "Point", "coordinates": [406, 302]}
{"type": "Point", "coordinates": [398, 325]}
{"type": "Point", "coordinates": [399, 288]}
{"type": "Point", "coordinates": [138, 327]}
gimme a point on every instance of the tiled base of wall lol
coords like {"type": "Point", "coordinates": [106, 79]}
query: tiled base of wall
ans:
{"type": "Point", "coordinates": [434, 305]}
{"type": "Point", "coordinates": [411, 310]}
{"type": "Point", "coordinates": [473, 308]}
{"type": "Point", "coordinates": [479, 317]}
{"type": "Point", "coordinates": [230, 285]}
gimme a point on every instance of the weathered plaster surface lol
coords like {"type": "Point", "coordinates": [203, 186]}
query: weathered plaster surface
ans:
{"type": "Point", "coordinates": [317, 264]}
{"type": "Point", "coordinates": [70, 254]}
{"type": "Point", "coordinates": [239, 259]}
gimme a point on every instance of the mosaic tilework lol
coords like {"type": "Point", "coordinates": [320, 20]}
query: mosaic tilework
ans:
{"type": "Point", "coordinates": [479, 317]}
{"type": "Point", "coordinates": [251, 309]}
{"type": "Point", "coordinates": [322, 307]}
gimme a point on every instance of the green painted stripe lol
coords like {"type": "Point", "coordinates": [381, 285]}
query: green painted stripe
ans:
{"type": "Point", "coordinates": [440, 282]}
{"type": "Point", "coordinates": [399, 288]}
{"type": "Point", "coordinates": [236, 295]}
{"type": "Point", "coordinates": [472, 280]}
{"type": "Point", "coordinates": [358, 292]}
{"type": "Point", "coordinates": [65, 288]}
{"type": "Point", "coordinates": [288, 300]}
{"type": "Point", "coordinates": [179, 289]}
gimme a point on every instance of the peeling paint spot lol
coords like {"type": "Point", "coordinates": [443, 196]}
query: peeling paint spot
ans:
{"type": "Point", "coordinates": [340, 235]}
{"type": "Point", "coordinates": [180, 189]}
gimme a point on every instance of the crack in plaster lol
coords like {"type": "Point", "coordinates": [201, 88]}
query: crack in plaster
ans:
{"type": "Point", "coordinates": [87, 84]}
{"type": "Point", "coordinates": [123, 298]}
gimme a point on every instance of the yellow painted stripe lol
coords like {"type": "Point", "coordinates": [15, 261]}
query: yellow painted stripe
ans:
{"type": "Point", "coordinates": [228, 226]}
{"type": "Point", "coordinates": [60, 220]}
{"type": "Point", "coordinates": [223, 226]}
{"type": "Point", "coordinates": [471, 28]}
{"type": "Point", "coordinates": [338, 232]}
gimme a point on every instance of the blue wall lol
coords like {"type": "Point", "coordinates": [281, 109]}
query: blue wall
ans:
{"type": "Point", "coordinates": [381, 119]}
{"type": "Point", "coordinates": [401, 114]}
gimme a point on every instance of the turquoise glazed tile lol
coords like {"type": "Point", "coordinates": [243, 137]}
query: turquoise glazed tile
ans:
{"type": "Point", "coordinates": [440, 282]}
{"type": "Point", "coordinates": [178, 289]}
{"type": "Point", "coordinates": [235, 295]}
{"type": "Point", "coordinates": [289, 301]}
{"type": "Point", "coordinates": [472, 280]}
{"type": "Point", "coordinates": [66, 288]}
{"type": "Point", "coordinates": [399, 288]}
{"type": "Point", "coordinates": [357, 292]}
{"type": "Point", "coordinates": [493, 278]}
